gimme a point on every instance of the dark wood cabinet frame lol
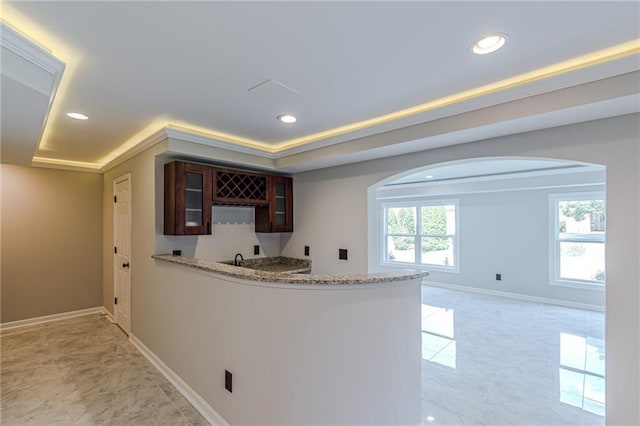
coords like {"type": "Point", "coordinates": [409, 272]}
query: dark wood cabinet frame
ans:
{"type": "Point", "coordinates": [175, 201]}
{"type": "Point", "coordinates": [224, 186]}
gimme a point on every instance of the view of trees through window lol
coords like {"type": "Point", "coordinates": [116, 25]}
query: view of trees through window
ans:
{"type": "Point", "coordinates": [581, 228]}
{"type": "Point", "coordinates": [430, 227]}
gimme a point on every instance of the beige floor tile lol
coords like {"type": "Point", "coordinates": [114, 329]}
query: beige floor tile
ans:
{"type": "Point", "coordinates": [83, 371]}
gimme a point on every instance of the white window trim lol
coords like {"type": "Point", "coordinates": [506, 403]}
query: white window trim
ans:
{"type": "Point", "coordinates": [554, 241]}
{"type": "Point", "coordinates": [416, 265]}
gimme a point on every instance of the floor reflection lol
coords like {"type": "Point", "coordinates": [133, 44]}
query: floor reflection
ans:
{"type": "Point", "coordinates": [498, 361]}
{"type": "Point", "coordinates": [581, 372]}
{"type": "Point", "coordinates": [438, 342]}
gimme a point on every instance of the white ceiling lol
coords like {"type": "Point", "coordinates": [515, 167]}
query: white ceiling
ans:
{"type": "Point", "coordinates": [136, 67]}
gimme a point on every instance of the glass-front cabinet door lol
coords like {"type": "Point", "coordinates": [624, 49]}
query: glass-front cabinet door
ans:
{"type": "Point", "coordinates": [187, 199]}
{"type": "Point", "coordinates": [277, 216]}
{"type": "Point", "coordinates": [282, 204]}
{"type": "Point", "coordinates": [194, 201]}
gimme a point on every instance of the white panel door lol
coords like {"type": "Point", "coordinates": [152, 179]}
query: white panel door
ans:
{"type": "Point", "coordinates": [122, 252]}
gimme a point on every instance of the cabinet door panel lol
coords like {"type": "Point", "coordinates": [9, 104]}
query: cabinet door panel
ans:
{"type": "Point", "coordinates": [278, 215]}
{"type": "Point", "coordinates": [187, 199]}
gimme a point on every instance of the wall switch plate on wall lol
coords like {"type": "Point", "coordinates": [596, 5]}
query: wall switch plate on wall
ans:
{"type": "Point", "coordinates": [256, 250]}
{"type": "Point", "coordinates": [228, 380]}
{"type": "Point", "coordinates": [306, 250]}
{"type": "Point", "coordinates": [498, 277]}
{"type": "Point", "coordinates": [342, 254]}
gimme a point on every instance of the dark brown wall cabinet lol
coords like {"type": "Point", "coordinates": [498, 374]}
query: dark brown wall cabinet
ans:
{"type": "Point", "coordinates": [191, 189]}
{"type": "Point", "coordinates": [237, 187]}
{"type": "Point", "coordinates": [277, 216]}
{"type": "Point", "coordinates": [187, 199]}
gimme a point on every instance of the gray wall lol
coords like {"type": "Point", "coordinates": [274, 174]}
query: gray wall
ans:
{"type": "Point", "coordinates": [51, 241]}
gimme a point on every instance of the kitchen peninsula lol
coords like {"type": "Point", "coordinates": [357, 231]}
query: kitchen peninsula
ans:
{"type": "Point", "coordinates": [300, 348]}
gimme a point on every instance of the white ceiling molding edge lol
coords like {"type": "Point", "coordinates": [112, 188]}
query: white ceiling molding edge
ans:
{"type": "Point", "coordinates": [36, 69]}
{"type": "Point", "coordinates": [173, 133]}
{"type": "Point", "coordinates": [29, 50]}
{"type": "Point", "coordinates": [146, 143]}
{"type": "Point", "coordinates": [185, 135]}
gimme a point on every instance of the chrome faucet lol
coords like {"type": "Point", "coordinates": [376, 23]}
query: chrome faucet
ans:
{"type": "Point", "coordinates": [237, 262]}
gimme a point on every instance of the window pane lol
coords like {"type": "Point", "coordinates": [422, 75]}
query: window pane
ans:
{"type": "Point", "coordinates": [401, 220]}
{"type": "Point", "coordinates": [401, 249]}
{"type": "Point", "coordinates": [580, 217]}
{"type": "Point", "coordinates": [437, 251]}
{"type": "Point", "coordinates": [439, 219]}
{"type": "Point", "coordinates": [582, 261]}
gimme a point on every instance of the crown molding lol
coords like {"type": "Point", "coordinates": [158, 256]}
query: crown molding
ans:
{"type": "Point", "coordinates": [186, 135]}
{"type": "Point", "coordinates": [30, 51]}
{"type": "Point", "coordinates": [57, 163]}
{"type": "Point", "coordinates": [146, 143]}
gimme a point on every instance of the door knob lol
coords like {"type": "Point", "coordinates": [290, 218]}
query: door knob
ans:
{"type": "Point", "coordinates": [125, 265]}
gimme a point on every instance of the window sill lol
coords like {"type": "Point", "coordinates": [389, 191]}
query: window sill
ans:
{"type": "Point", "coordinates": [421, 267]}
{"type": "Point", "coordinates": [584, 285]}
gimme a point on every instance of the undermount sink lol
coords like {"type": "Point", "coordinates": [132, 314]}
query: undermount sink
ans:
{"type": "Point", "coordinates": [274, 264]}
{"type": "Point", "coordinates": [242, 264]}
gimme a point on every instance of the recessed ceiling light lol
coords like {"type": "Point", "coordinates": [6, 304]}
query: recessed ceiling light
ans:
{"type": "Point", "coordinates": [428, 177]}
{"type": "Point", "coordinates": [77, 115]}
{"type": "Point", "coordinates": [430, 418]}
{"type": "Point", "coordinates": [287, 118]}
{"type": "Point", "coordinates": [489, 44]}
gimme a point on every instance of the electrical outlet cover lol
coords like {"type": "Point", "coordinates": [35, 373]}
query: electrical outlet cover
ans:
{"type": "Point", "coordinates": [342, 254]}
{"type": "Point", "coordinates": [228, 380]}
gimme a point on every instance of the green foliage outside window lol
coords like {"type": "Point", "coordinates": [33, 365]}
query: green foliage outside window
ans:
{"type": "Point", "coordinates": [579, 210]}
{"type": "Point", "coordinates": [434, 221]}
{"type": "Point", "coordinates": [402, 221]}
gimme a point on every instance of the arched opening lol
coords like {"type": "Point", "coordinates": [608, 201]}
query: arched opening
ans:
{"type": "Point", "coordinates": [513, 309]}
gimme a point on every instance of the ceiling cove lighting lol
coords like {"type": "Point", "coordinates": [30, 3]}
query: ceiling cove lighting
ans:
{"type": "Point", "coordinates": [287, 118]}
{"type": "Point", "coordinates": [77, 116]}
{"type": "Point", "coordinates": [489, 44]}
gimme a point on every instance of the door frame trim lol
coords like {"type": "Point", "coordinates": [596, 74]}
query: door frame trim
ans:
{"type": "Point", "coordinates": [117, 180]}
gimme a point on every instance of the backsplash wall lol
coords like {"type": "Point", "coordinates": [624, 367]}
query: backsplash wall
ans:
{"type": "Point", "coordinates": [232, 231]}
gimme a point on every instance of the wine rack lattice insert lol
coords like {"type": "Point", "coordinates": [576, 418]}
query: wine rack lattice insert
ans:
{"type": "Point", "coordinates": [239, 186]}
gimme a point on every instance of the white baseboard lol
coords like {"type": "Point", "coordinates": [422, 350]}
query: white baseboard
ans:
{"type": "Point", "coordinates": [49, 318]}
{"type": "Point", "coordinates": [108, 315]}
{"type": "Point", "coordinates": [518, 296]}
{"type": "Point", "coordinates": [192, 396]}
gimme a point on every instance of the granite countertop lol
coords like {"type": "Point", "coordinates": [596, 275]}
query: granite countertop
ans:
{"type": "Point", "coordinates": [288, 265]}
{"type": "Point", "coordinates": [276, 274]}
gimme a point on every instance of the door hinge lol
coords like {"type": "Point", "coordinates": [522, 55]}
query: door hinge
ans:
{"type": "Point", "coordinates": [115, 199]}
{"type": "Point", "coordinates": [115, 300]}
{"type": "Point", "coordinates": [115, 250]}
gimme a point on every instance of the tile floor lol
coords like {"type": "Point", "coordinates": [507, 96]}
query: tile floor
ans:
{"type": "Point", "coordinates": [83, 371]}
{"type": "Point", "coordinates": [498, 361]}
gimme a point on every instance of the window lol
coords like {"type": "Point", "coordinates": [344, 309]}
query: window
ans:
{"type": "Point", "coordinates": [578, 239]}
{"type": "Point", "coordinates": [422, 233]}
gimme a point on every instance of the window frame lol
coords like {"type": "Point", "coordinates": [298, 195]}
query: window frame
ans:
{"type": "Point", "coordinates": [554, 240]}
{"type": "Point", "coordinates": [418, 204]}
